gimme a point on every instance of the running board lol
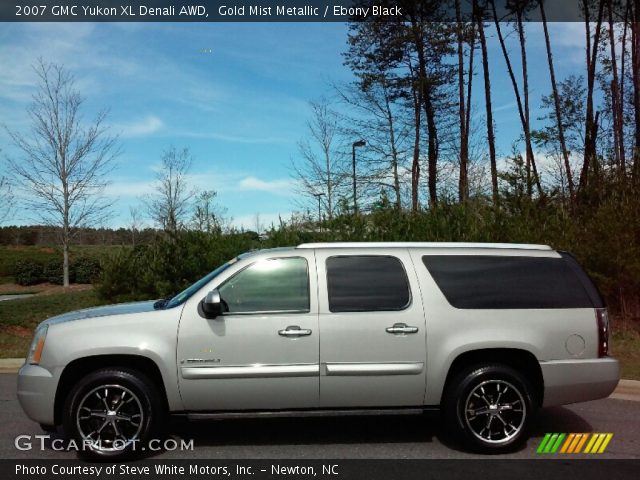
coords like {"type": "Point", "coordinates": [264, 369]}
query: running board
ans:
{"type": "Point", "coordinates": [303, 413]}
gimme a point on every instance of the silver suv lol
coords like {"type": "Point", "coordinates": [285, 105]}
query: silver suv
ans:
{"type": "Point", "coordinates": [486, 332]}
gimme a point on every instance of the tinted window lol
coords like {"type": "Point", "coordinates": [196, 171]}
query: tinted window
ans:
{"type": "Point", "coordinates": [506, 282]}
{"type": "Point", "coordinates": [274, 285]}
{"type": "Point", "coordinates": [366, 283]}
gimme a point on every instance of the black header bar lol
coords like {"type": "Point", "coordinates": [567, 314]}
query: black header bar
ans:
{"type": "Point", "coordinates": [288, 10]}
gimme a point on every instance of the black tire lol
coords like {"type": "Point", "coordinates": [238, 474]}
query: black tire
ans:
{"type": "Point", "coordinates": [482, 408]}
{"type": "Point", "coordinates": [138, 415]}
{"type": "Point", "coordinates": [48, 428]}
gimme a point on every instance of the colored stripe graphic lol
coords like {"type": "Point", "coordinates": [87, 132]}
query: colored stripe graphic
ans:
{"type": "Point", "coordinates": [568, 442]}
{"type": "Point", "coordinates": [573, 443]}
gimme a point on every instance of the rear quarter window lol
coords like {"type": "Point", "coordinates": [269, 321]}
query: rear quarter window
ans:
{"type": "Point", "coordinates": [495, 282]}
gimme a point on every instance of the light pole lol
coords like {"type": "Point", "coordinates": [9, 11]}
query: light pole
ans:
{"type": "Point", "coordinates": [359, 143]}
{"type": "Point", "coordinates": [318, 195]}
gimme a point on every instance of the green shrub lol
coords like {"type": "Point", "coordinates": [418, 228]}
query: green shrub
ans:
{"type": "Point", "coordinates": [53, 272]}
{"type": "Point", "coordinates": [28, 272]}
{"type": "Point", "coordinates": [169, 264]}
{"type": "Point", "coordinates": [85, 269]}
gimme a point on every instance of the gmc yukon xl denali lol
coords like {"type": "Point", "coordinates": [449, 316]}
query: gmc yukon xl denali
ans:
{"type": "Point", "coordinates": [488, 333]}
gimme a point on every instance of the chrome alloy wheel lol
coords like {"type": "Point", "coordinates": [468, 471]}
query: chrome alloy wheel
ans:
{"type": "Point", "coordinates": [495, 411]}
{"type": "Point", "coordinates": [109, 417]}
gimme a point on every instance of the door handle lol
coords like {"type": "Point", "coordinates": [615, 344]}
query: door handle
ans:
{"type": "Point", "coordinates": [294, 331]}
{"type": "Point", "coordinates": [401, 328]}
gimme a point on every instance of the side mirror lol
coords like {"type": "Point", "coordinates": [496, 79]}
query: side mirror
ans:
{"type": "Point", "coordinates": [212, 304]}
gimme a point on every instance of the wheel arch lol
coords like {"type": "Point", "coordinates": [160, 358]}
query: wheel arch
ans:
{"type": "Point", "coordinates": [81, 367]}
{"type": "Point", "coordinates": [520, 360]}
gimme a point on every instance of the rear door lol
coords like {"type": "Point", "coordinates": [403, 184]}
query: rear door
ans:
{"type": "Point", "coordinates": [372, 329]}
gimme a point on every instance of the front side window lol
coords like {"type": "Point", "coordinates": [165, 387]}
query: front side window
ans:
{"type": "Point", "coordinates": [367, 283]}
{"type": "Point", "coordinates": [272, 285]}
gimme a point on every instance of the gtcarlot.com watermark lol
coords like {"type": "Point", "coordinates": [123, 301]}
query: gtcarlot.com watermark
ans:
{"type": "Point", "coordinates": [46, 442]}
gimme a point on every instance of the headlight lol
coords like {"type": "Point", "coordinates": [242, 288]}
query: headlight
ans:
{"type": "Point", "coordinates": [37, 345]}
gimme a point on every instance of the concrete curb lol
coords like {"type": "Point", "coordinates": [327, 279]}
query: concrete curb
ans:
{"type": "Point", "coordinates": [10, 365]}
{"type": "Point", "coordinates": [626, 389]}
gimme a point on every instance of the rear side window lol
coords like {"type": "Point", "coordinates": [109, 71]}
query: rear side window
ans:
{"type": "Point", "coordinates": [490, 282]}
{"type": "Point", "coordinates": [367, 283]}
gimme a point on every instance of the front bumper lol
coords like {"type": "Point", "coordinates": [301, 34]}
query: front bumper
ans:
{"type": "Point", "coordinates": [37, 393]}
{"type": "Point", "coordinates": [571, 381]}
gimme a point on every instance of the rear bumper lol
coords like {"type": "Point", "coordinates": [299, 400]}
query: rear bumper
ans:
{"type": "Point", "coordinates": [37, 393]}
{"type": "Point", "coordinates": [571, 381]}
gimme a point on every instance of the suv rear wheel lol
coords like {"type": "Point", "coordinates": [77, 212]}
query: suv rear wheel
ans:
{"type": "Point", "coordinates": [111, 413]}
{"type": "Point", "coordinates": [489, 407]}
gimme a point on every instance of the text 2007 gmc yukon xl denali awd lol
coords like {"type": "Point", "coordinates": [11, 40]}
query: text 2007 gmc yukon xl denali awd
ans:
{"type": "Point", "coordinates": [487, 332]}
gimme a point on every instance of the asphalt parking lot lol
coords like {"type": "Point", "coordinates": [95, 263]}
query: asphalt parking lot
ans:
{"type": "Point", "coordinates": [357, 437]}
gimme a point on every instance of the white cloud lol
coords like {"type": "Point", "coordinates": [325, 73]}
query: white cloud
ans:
{"type": "Point", "coordinates": [279, 186]}
{"type": "Point", "coordinates": [119, 188]}
{"type": "Point", "coordinates": [506, 106]}
{"type": "Point", "coordinates": [230, 138]}
{"type": "Point", "coordinates": [567, 34]}
{"type": "Point", "coordinates": [140, 127]}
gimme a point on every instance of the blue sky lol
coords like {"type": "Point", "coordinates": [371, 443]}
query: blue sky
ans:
{"type": "Point", "coordinates": [241, 108]}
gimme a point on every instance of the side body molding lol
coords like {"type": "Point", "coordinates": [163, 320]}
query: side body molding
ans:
{"type": "Point", "coordinates": [251, 371]}
{"type": "Point", "coordinates": [363, 369]}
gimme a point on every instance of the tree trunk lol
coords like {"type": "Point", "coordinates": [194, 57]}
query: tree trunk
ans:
{"type": "Point", "coordinates": [590, 124]}
{"type": "Point", "coordinates": [432, 130]}
{"type": "Point", "coordinates": [616, 103]}
{"type": "Point", "coordinates": [489, 109]}
{"type": "Point", "coordinates": [463, 182]}
{"type": "Point", "coordinates": [65, 243]}
{"type": "Point", "coordinates": [635, 65]}
{"type": "Point", "coordinates": [623, 57]}
{"type": "Point", "coordinates": [472, 49]}
{"type": "Point", "coordinates": [394, 150]}
{"type": "Point", "coordinates": [531, 162]}
{"type": "Point", "coordinates": [329, 185]}
{"type": "Point", "coordinates": [432, 154]}
{"type": "Point", "coordinates": [516, 90]}
{"type": "Point", "coordinates": [556, 99]}
{"type": "Point", "coordinates": [415, 165]}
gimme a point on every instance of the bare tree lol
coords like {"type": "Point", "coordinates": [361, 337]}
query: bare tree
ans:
{"type": "Point", "coordinates": [63, 161]}
{"type": "Point", "coordinates": [319, 170]}
{"type": "Point", "coordinates": [258, 224]}
{"type": "Point", "coordinates": [208, 216]}
{"type": "Point", "coordinates": [6, 199]}
{"type": "Point", "coordinates": [135, 223]}
{"type": "Point", "coordinates": [170, 205]}
{"type": "Point", "coordinates": [376, 109]}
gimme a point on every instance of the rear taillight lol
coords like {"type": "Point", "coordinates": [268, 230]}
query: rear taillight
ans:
{"type": "Point", "coordinates": [602, 319]}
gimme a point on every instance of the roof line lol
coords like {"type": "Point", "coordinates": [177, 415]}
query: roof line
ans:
{"type": "Point", "coordinates": [517, 246]}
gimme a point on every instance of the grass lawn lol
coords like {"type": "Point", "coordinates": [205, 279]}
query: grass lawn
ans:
{"type": "Point", "coordinates": [626, 348]}
{"type": "Point", "coordinates": [18, 318]}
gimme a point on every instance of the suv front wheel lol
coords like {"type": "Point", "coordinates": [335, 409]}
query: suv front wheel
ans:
{"type": "Point", "coordinates": [489, 407]}
{"type": "Point", "coordinates": [111, 413]}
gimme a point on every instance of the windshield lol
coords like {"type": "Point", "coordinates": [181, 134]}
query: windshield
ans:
{"type": "Point", "coordinates": [188, 292]}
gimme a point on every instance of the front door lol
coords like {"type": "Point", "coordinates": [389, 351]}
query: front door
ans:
{"type": "Point", "coordinates": [262, 352]}
{"type": "Point", "coordinates": [372, 330]}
